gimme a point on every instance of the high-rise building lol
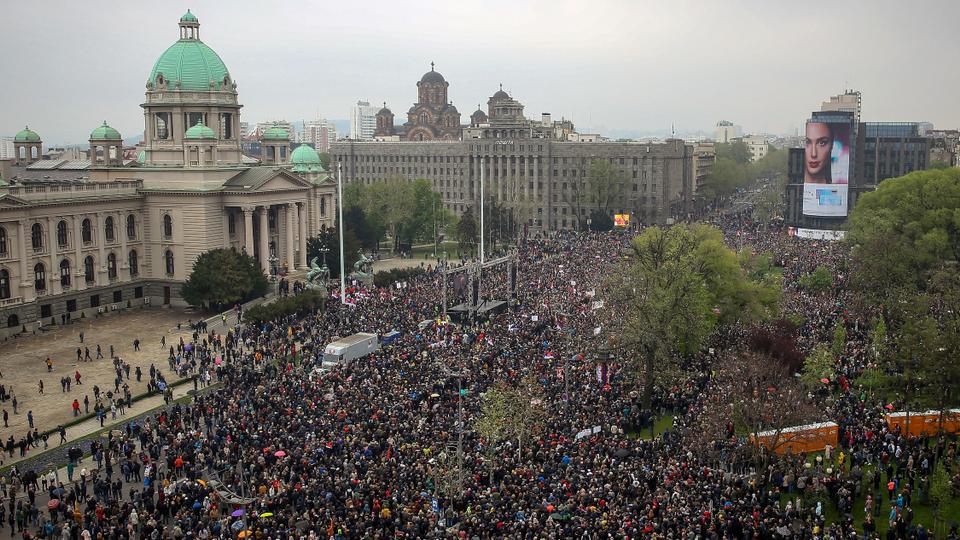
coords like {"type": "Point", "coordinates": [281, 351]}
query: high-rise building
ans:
{"type": "Point", "coordinates": [848, 101]}
{"type": "Point", "coordinates": [244, 129]}
{"type": "Point", "coordinates": [319, 133]}
{"type": "Point", "coordinates": [6, 148]}
{"type": "Point", "coordinates": [363, 121]}
{"type": "Point", "coordinates": [727, 131]}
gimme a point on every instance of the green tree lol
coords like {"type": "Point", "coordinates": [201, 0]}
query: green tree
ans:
{"type": "Point", "coordinates": [329, 238]}
{"type": "Point", "coordinates": [736, 151]}
{"type": "Point", "coordinates": [600, 221]}
{"type": "Point", "coordinates": [467, 231]}
{"type": "Point", "coordinates": [818, 365]}
{"type": "Point", "coordinates": [604, 185]}
{"type": "Point", "coordinates": [818, 281]}
{"type": "Point", "coordinates": [393, 201]}
{"type": "Point", "coordinates": [682, 282]}
{"type": "Point", "coordinates": [222, 277]}
{"type": "Point", "coordinates": [325, 161]}
{"type": "Point", "coordinates": [839, 344]}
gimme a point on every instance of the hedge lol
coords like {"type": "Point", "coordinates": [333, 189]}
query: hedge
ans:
{"type": "Point", "coordinates": [385, 278]}
{"type": "Point", "coordinates": [299, 303]}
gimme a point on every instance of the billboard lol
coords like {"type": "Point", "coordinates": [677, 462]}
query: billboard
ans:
{"type": "Point", "coordinates": [826, 168]}
{"type": "Point", "coordinates": [621, 220]}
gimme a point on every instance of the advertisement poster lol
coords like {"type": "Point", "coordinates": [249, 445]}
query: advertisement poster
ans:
{"type": "Point", "coordinates": [621, 220]}
{"type": "Point", "coordinates": [826, 164]}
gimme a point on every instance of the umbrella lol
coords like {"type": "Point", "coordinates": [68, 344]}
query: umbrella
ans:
{"type": "Point", "coordinates": [196, 505]}
{"type": "Point", "coordinates": [58, 492]}
{"type": "Point", "coordinates": [266, 514]}
{"type": "Point", "coordinates": [237, 525]}
{"type": "Point", "coordinates": [279, 453]}
{"type": "Point", "coordinates": [243, 534]}
{"type": "Point", "coordinates": [825, 380]}
{"type": "Point", "coordinates": [622, 452]}
{"type": "Point", "coordinates": [53, 503]}
{"type": "Point", "coordinates": [888, 407]}
{"type": "Point", "coordinates": [202, 483]}
{"type": "Point", "coordinates": [237, 513]}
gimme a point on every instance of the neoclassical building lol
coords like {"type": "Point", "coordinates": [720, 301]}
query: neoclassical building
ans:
{"type": "Point", "coordinates": [431, 118]}
{"type": "Point", "coordinates": [107, 234]}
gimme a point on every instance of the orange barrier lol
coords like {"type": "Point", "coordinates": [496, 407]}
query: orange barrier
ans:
{"type": "Point", "coordinates": [925, 423]}
{"type": "Point", "coordinates": [797, 439]}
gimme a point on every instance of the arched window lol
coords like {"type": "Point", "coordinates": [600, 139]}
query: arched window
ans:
{"type": "Point", "coordinates": [108, 228]}
{"type": "Point", "coordinates": [39, 277]}
{"type": "Point", "coordinates": [36, 236]}
{"type": "Point", "coordinates": [134, 263]}
{"type": "Point", "coordinates": [13, 321]}
{"type": "Point", "coordinates": [62, 233]}
{"type": "Point", "coordinates": [88, 273]}
{"type": "Point", "coordinates": [167, 226]}
{"type": "Point", "coordinates": [111, 266]}
{"type": "Point", "coordinates": [86, 231]}
{"type": "Point", "coordinates": [3, 241]}
{"type": "Point", "coordinates": [131, 227]}
{"type": "Point", "coordinates": [168, 258]}
{"type": "Point", "coordinates": [65, 273]}
{"type": "Point", "coordinates": [4, 284]}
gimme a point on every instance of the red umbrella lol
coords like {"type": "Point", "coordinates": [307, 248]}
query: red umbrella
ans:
{"type": "Point", "coordinates": [279, 453]}
{"type": "Point", "coordinates": [888, 407]}
{"type": "Point", "coordinates": [53, 503]}
{"type": "Point", "coordinates": [825, 380]}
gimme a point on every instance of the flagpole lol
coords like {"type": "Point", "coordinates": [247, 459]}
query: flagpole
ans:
{"type": "Point", "coordinates": [343, 279]}
{"type": "Point", "coordinates": [482, 167]}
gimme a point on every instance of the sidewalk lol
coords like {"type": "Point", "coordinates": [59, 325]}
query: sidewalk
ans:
{"type": "Point", "coordinates": [92, 425]}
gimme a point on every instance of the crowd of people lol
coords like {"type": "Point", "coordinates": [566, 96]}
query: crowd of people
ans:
{"type": "Point", "coordinates": [285, 449]}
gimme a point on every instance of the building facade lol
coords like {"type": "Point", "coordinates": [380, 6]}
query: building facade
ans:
{"type": "Point", "coordinates": [320, 134]}
{"type": "Point", "coordinates": [363, 121]}
{"type": "Point", "coordinates": [727, 131]}
{"type": "Point", "coordinates": [757, 145]}
{"type": "Point", "coordinates": [433, 117]}
{"type": "Point", "coordinates": [849, 101]}
{"type": "Point", "coordinates": [111, 235]}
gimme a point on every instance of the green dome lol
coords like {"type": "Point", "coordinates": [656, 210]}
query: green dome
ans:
{"type": "Point", "coordinates": [306, 160]}
{"type": "Point", "coordinates": [191, 63]}
{"type": "Point", "coordinates": [200, 131]}
{"type": "Point", "coordinates": [188, 17]}
{"type": "Point", "coordinates": [276, 133]}
{"type": "Point", "coordinates": [105, 133]}
{"type": "Point", "coordinates": [26, 135]}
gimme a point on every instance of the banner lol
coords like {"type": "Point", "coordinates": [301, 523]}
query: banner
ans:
{"type": "Point", "coordinates": [621, 220]}
{"type": "Point", "coordinates": [826, 168]}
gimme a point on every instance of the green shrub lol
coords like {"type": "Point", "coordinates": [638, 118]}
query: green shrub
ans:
{"type": "Point", "coordinates": [385, 278]}
{"type": "Point", "coordinates": [297, 304]}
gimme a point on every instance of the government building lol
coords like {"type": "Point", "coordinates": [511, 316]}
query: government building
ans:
{"type": "Point", "coordinates": [108, 233]}
{"type": "Point", "coordinates": [537, 168]}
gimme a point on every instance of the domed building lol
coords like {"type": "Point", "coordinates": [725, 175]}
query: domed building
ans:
{"type": "Point", "coordinates": [126, 233]}
{"type": "Point", "coordinates": [431, 118]}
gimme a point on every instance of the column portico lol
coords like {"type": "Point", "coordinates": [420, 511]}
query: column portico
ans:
{"type": "Point", "coordinates": [25, 284]}
{"type": "Point", "coordinates": [248, 229]}
{"type": "Point", "coordinates": [263, 215]}
{"type": "Point", "coordinates": [302, 231]}
{"type": "Point", "coordinates": [291, 212]}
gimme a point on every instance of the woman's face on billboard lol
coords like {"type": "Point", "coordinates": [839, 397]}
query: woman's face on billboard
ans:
{"type": "Point", "coordinates": [817, 146]}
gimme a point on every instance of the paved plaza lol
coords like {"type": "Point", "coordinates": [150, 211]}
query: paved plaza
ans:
{"type": "Point", "coordinates": [23, 363]}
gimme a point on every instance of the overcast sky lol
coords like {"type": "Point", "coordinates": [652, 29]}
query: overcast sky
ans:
{"type": "Point", "coordinates": [609, 65]}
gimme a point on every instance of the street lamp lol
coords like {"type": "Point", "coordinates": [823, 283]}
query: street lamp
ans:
{"type": "Point", "coordinates": [273, 260]}
{"type": "Point", "coordinates": [323, 253]}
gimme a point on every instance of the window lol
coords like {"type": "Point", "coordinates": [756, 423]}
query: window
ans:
{"type": "Point", "coordinates": [134, 263]}
{"type": "Point", "coordinates": [112, 266]}
{"type": "Point", "coordinates": [231, 223]}
{"type": "Point", "coordinates": [88, 273]}
{"type": "Point", "coordinates": [161, 121]}
{"type": "Point", "coordinates": [36, 236]}
{"type": "Point", "coordinates": [226, 125]}
{"type": "Point", "coordinates": [131, 227]}
{"type": "Point", "coordinates": [39, 277]}
{"type": "Point", "coordinates": [169, 262]}
{"type": "Point", "coordinates": [65, 273]}
{"type": "Point", "coordinates": [95, 300]}
{"type": "Point", "coordinates": [167, 226]}
{"type": "Point", "coordinates": [62, 233]}
{"type": "Point", "coordinates": [108, 228]}
{"type": "Point", "coordinates": [3, 241]}
{"type": "Point", "coordinates": [4, 284]}
{"type": "Point", "coordinates": [86, 231]}
{"type": "Point", "coordinates": [323, 206]}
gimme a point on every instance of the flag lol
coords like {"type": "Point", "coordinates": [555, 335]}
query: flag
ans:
{"type": "Point", "coordinates": [596, 331]}
{"type": "Point", "coordinates": [548, 355]}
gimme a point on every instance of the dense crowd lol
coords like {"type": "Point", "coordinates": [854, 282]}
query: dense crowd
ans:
{"type": "Point", "coordinates": [284, 449]}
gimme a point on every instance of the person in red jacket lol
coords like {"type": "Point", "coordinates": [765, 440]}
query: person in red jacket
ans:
{"type": "Point", "coordinates": [76, 407]}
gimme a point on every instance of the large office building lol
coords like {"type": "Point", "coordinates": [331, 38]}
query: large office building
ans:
{"type": "Point", "coordinates": [530, 166]}
{"type": "Point", "coordinates": [363, 121]}
{"type": "Point", "coordinates": [727, 131]}
{"type": "Point", "coordinates": [79, 237]}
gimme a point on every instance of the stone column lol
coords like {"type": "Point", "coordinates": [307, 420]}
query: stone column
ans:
{"type": "Point", "coordinates": [124, 257]}
{"type": "Point", "coordinates": [290, 215]}
{"type": "Point", "coordinates": [226, 226]}
{"type": "Point", "coordinates": [262, 214]}
{"type": "Point", "coordinates": [248, 229]}
{"type": "Point", "coordinates": [101, 247]}
{"type": "Point", "coordinates": [536, 189]}
{"type": "Point", "coordinates": [26, 284]}
{"type": "Point", "coordinates": [500, 178]}
{"type": "Point", "coordinates": [302, 242]}
{"type": "Point", "coordinates": [53, 286]}
{"type": "Point", "coordinates": [79, 282]}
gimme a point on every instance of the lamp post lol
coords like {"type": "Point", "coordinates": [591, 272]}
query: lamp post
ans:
{"type": "Point", "coordinates": [323, 254]}
{"type": "Point", "coordinates": [343, 278]}
{"type": "Point", "coordinates": [482, 167]}
{"type": "Point", "coordinates": [273, 260]}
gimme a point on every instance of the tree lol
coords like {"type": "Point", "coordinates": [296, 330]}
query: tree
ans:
{"type": "Point", "coordinates": [839, 344]}
{"type": "Point", "coordinates": [511, 412]}
{"type": "Point", "coordinates": [393, 201]}
{"type": "Point", "coordinates": [329, 238]}
{"type": "Point", "coordinates": [367, 233]}
{"type": "Point", "coordinates": [467, 231]}
{"type": "Point", "coordinates": [818, 281]}
{"type": "Point", "coordinates": [223, 277]}
{"type": "Point", "coordinates": [682, 282]}
{"type": "Point", "coordinates": [600, 221]}
{"type": "Point", "coordinates": [818, 365]}
{"type": "Point", "coordinates": [736, 151]}
{"type": "Point", "coordinates": [605, 184]}
{"type": "Point", "coordinates": [325, 161]}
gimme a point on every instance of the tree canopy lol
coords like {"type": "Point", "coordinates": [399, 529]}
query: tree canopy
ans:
{"type": "Point", "coordinates": [223, 277]}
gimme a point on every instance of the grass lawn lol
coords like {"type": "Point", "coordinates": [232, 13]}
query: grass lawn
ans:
{"type": "Point", "coordinates": [420, 251]}
{"type": "Point", "coordinates": [662, 424]}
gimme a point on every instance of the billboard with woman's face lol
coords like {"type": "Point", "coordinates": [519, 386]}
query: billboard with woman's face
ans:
{"type": "Point", "coordinates": [826, 169]}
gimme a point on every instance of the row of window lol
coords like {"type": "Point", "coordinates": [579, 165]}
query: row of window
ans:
{"type": "Point", "coordinates": [89, 271]}
{"type": "Point", "coordinates": [86, 232]}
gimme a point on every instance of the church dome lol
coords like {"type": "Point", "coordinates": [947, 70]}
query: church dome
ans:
{"type": "Point", "coordinates": [432, 76]}
{"type": "Point", "coordinates": [26, 135]}
{"type": "Point", "coordinates": [500, 94]}
{"type": "Point", "coordinates": [190, 62]}
{"type": "Point", "coordinates": [275, 133]}
{"type": "Point", "coordinates": [305, 159]}
{"type": "Point", "coordinates": [105, 133]}
{"type": "Point", "coordinates": [200, 131]}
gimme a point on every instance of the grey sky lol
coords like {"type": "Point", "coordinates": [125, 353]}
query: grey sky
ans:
{"type": "Point", "coordinates": [608, 65]}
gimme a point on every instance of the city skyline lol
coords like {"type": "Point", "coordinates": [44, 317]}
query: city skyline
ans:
{"type": "Point", "coordinates": [626, 67]}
